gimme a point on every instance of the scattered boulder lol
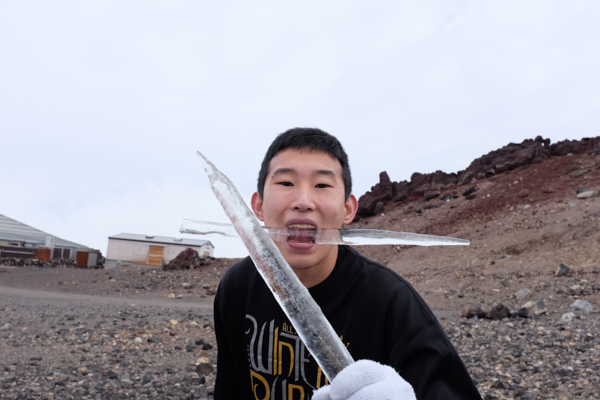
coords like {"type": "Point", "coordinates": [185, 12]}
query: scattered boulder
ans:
{"type": "Point", "coordinates": [204, 369]}
{"type": "Point", "coordinates": [575, 290]}
{"type": "Point", "coordinates": [587, 195]}
{"type": "Point", "coordinates": [498, 312]}
{"type": "Point", "coordinates": [475, 310]}
{"type": "Point", "coordinates": [531, 308]}
{"type": "Point", "coordinates": [563, 270]}
{"type": "Point", "coordinates": [432, 193]}
{"type": "Point", "coordinates": [470, 190]}
{"type": "Point", "coordinates": [187, 259]}
{"type": "Point", "coordinates": [204, 366]}
{"type": "Point", "coordinates": [567, 318]}
{"type": "Point", "coordinates": [522, 294]}
{"type": "Point", "coordinates": [582, 306]}
{"type": "Point", "coordinates": [52, 263]}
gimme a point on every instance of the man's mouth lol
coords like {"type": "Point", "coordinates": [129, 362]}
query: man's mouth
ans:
{"type": "Point", "coordinates": [302, 233]}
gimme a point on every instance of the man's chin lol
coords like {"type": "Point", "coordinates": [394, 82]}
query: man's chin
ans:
{"type": "Point", "coordinates": [305, 256]}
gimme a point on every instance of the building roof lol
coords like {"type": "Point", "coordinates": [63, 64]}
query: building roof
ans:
{"type": "Point", "coordinates": [13, 230]}
{"type": "Point", "coordinates": [161, 239]}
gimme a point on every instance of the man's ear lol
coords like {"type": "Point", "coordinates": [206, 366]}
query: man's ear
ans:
{"type": "Point", "coordinates": [257, 206]}
{"type": "Point", "coordinates": [351, 208]}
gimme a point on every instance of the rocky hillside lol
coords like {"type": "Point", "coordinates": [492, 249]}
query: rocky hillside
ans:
{"type": "Point", "coordinates": [526, 208]}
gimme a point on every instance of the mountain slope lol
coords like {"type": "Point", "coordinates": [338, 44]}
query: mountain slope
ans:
{"type": "Point", "coordinates": [521, 214]}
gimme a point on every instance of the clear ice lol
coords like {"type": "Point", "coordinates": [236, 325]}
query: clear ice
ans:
{"type": "Point", "coordinates": [355, 237]}
{"type": "Point", "coordinates": [306, 316]}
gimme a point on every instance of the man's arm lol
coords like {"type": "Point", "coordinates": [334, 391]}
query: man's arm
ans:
{"type": "Point", "coordinates": [431, 369]}
{"type": "Point", "coordinates": [426, 358]}
{"type": "Point", "coordinates": [226, 385]}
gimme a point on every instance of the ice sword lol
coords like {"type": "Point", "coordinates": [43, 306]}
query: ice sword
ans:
{"type": "Point", "coordinates": [305, 315]}
{"type": "Point", "coordinates": [355, 237]}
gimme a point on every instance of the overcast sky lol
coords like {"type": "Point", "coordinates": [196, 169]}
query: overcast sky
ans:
{"type": "Point", "coordinates": [104, 103]}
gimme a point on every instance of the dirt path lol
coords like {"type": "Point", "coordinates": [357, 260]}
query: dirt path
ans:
{"type": "Point", "coordinates": [199, 305]}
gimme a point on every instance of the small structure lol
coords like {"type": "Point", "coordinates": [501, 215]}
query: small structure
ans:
{"type": "Point", "coordinates": [152, 250]}
{"type": "Point", "coordinates": [18, 240]}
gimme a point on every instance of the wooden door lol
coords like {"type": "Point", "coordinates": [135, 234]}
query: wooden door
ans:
{"type": "Point", "coordinates": [43, 254]}
{"type": "Point", "coordinates": [82, 258]}
{"type": "Point", "coordinates": [155, 255]}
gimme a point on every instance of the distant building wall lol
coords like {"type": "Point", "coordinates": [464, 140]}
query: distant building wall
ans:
{"type": "Point", "coordinates": [17, 252]}
{"type": "Point", "coordinates": [127, 250]}
{"type": "Point", "coordinates": [149, 253]}
{"type": "Point", "coordinates": [84, 258]}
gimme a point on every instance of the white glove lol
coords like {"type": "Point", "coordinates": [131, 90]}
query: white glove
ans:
{"type": "Point", "coordinates": [366, 380]}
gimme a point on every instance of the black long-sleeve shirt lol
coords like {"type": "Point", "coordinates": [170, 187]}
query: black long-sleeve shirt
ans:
{"type": "Point", "coordinates": [378, 315]}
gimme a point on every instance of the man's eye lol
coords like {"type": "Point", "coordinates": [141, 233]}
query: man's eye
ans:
{"type": "Point", "coordinates": [322, 186]}
{"type": "Point", "coordinates": [286, 183]}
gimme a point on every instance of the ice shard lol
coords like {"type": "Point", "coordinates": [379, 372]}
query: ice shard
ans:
{"type": "Point", "coordinates": [207, 228]}
{"type": "Point", "coordinates": [355, 237]}
{"type": "Point", "coordinates": [306, 316]}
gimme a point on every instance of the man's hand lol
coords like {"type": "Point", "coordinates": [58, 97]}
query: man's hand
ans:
{"type": "Point", "coordinates": [366, 380]}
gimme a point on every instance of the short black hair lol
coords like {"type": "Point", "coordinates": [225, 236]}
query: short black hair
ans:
{"type": "Point", "coordinates": [312, 139]}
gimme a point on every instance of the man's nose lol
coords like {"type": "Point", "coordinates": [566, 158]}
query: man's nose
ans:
{"type": "Point", "coordinates": [304, 200]}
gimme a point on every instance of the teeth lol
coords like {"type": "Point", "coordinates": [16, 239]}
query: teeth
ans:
{"type": "Point", "coordinates": [304, 226]}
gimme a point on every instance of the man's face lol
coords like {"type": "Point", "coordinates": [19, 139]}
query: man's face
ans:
{"type": "Point", "coordinates": [304, 190]}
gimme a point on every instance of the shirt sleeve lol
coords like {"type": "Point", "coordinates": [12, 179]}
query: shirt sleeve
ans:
{"type": "Point", "coordinates": [226, 385]}
{"type": "Point", "coordinates": [425, 357]}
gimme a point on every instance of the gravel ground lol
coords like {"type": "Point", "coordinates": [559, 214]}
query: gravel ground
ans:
{"type": "Point", "coordinates": [66, 345]}
{"type": "Point", "coordinates": [69, 346]}
{"type": "Point", "coordinates": [533, 358]}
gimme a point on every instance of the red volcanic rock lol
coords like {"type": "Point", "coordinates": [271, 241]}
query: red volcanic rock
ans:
{"type": "Point", "coordinates": [509, 157]}
{"type": "Point", "coordinates": [383, 192]}
{"type": "Point", "coordinates": [574, 146]}
{"type": "Point", "coordinates": [187, 259]}
{"type": "Point", "coordinates": [401, 190]}
{"type": "Point", "coordinates": [419, 183]}
{"type": "Point", "coordinates": [441, 180]}
{"type": "Point", "coordinates": [428, 185]}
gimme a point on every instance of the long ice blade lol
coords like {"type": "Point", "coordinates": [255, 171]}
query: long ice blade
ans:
{"type": "Point", "coordinates": [207, 228]}
{"type": "Point", "coordinates": [306, 316]}
{"type": "Point", "coordinates": [375, 237]}
{"type": "Point", "coordinates": [355, 237]}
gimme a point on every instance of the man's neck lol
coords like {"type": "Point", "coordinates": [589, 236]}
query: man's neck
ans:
{"type": "Point", "coordinates": [318, 273]}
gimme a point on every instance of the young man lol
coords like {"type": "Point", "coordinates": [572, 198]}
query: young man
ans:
{"type": "Point", "coordinates": [305, 184]}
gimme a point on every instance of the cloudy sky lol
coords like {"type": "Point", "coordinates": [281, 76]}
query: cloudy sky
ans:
{"type": "Point", "coordinates": [104, 103]}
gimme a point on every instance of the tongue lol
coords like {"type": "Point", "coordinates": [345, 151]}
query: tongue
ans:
{"type": "Point", "coordinates": [301, 235]}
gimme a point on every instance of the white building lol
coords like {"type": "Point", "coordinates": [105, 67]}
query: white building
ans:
{"type": "Point", "coordinates": [151, 250]}
{"type": "Point", "coordinates": [23, 241]}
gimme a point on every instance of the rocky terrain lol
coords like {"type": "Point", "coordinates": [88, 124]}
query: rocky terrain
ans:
{"type": "Point", "coordinates": [526, 208]}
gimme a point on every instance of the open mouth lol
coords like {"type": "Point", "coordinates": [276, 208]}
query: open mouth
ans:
{"type": "Point", "coordinates": [302, 233]}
